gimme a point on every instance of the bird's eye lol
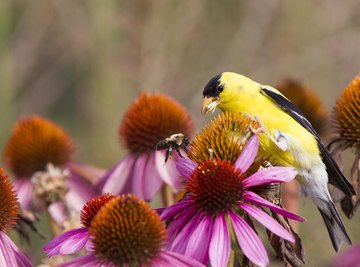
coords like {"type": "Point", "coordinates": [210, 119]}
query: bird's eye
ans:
{"type": "Point", "coordinates": [220, 88]}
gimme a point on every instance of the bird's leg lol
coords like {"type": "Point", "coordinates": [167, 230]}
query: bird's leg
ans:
{"type": "Point", "coordinates": [279, 140]}
{"type": "Point", "coordinates": [247, 136]}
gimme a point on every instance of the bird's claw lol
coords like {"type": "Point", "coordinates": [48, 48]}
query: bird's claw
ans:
{"type": "Point", "coordinates": [279, 140]}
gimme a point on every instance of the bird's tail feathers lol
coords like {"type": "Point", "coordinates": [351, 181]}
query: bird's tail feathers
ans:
{"type": "Point", "coordinates": [333, 224]}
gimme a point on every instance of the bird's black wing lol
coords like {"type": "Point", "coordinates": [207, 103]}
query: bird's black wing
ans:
{"type": "Point", "coordinates": [336, 177]}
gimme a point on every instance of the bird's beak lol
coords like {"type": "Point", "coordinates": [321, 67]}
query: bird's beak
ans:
{"type": "Point", "coordinates": [209, 104]}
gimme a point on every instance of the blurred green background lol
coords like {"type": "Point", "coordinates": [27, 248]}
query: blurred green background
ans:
{"type": "Point", "coordinates": [81, 63]}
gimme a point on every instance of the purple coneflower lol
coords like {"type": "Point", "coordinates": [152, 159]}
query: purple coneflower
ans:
{"type": "Point", "coordinates": [72, 241]}
{"type": "Point", "coordinates": [151, 118]}
{"type": "Point", "coordinates": [35, 143]}
{"type": "Point", "coordinates": [127, 232]}
{"type": "Point", "coordinates": [219, 198]}
{"type": "Point", "coordinates": [10, 254]}
{"type": "Point", "coordinates": [349, 258]}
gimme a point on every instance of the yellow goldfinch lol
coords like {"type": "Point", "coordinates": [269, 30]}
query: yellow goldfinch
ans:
{"type": "Point", "coordinates": [289, 136]}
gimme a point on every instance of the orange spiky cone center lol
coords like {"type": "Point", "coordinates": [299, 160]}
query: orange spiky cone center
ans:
{"type": "Point", "coordinates": [92, 207]}
{"type": "Point", "coordinates": [151, 118]}
{"type": "Point", "coordinates": [9, 207]}
{"type": "Point", "coordinates": [346, 114]}
{"type": "Point", "coordinates": [224, 136]}
{"type": "Point", "coordinates": [215, 185]}
{"type": "Point", "coordinates": [35, 142]}
{"type": "Point", "coordinates": [308, 102]}
{"type": "Point", "coordinates": [127, 231]}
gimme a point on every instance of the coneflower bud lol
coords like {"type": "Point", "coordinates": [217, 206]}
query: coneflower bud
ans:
{"type": "Point", "coordinates": [35, 142]}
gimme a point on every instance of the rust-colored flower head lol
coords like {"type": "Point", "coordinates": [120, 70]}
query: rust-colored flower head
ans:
{"type": "Point", "coordinates": [9, 207]}
{"type": "Point", "coordinates": [92, 207]}
{"type": "Point", "coordinates": [127, 231]}
{"type": "Point", "coordinates": [308, 102]}
{"type": "Point", "coordinates": [225, 136]}
{"type": "Point", "coordinates": [346, 115]}
{"type": "Point", "coordinates": [151, 118]}
{"type": "Point", "coordinates": [219, 194]}
{"type": "Point", "coordinates": [35, 142]}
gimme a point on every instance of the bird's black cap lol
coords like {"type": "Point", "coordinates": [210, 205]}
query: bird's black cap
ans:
{"type": "Point", "coordinates": [213, 87]}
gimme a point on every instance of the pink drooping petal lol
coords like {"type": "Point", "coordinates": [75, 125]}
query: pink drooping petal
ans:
{"type": "Point", "coordinates": [219, 249]}
{"type": "Point", "coordinates": [138, 176]}
{"type": "Point", "coordinates": [58, 212]}
{"type": "Point", "coordinates": [152, 180]}
{"type": "Point", "coordinates": [145, 178]}
{"type": "Point", "coordinates": [198, 246]}
{"type": "Point", "coordinates": [85, 260]}
{"type": "Point", "coordinates": [168, 171]}
{"type": "Point", "coordinates": [68, 242]}
{"type": "Point", "coordinates": [175, 209]}
{"type": "Point", "coordinates": [248, 154]}
{"type": "Point", "coordinates": [270, 175]}
{"type": "Point", "coordinates": [117, 177]}
{"type": "Point", "coordinates": [254, 198]}
{"type": "Point", "coordinates": [263, 218]}
{"type": "Point", "coordinates": [80, 191]}
{"type": "Point", "coordinates": [91, 174]}
{"type": "Point", "coordinates": [182, 239]}
{"type": "Point", "coordinates": [10, 254]}
{"type": "Point", "coordinates": [249, 242]}
{"type": "Point", "coordinates": [167, 258]}
{"type": "Point", "coordinates": [24, 192]}
{"type": "Point", "coordinates": [185, 167]}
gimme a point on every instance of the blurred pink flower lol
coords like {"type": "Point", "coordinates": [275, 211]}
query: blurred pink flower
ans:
{"type": "Point", "coordinates": [35, 143]}
{"type": "Point", "coordinates": [151, 118]}
{"type": "Point", "coordinates": [220, 194]}
{"type": "Point", "coordinates": [349, 258]}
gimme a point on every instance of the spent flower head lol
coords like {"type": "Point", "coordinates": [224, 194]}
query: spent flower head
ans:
{"type": "Point", "coordinates": [346, 125]}
{"type": "Point", "coordinates": [346, 116]}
